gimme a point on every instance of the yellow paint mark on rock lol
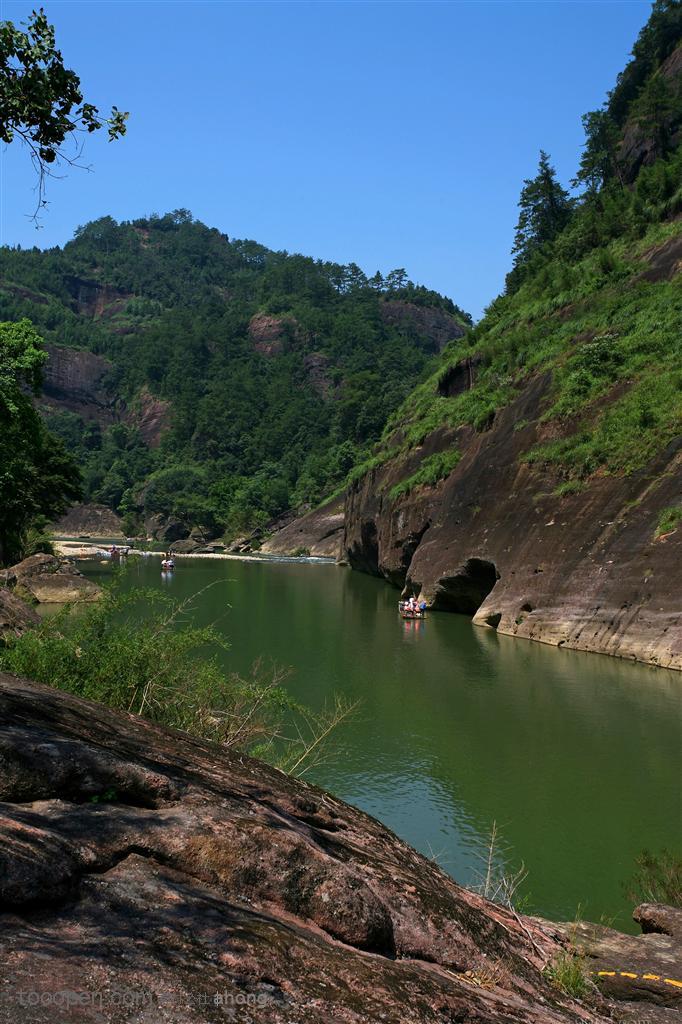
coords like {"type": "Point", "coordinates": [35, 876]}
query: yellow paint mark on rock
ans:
{"type": "Point", "coordinates": [645, 977]}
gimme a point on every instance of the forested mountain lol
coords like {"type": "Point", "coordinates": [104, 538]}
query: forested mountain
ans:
{"type": "Point", "coordinates": [212, 380]}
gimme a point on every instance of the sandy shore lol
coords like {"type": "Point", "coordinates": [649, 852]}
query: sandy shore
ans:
{"type": "Point", "coordinates": [77, 549]}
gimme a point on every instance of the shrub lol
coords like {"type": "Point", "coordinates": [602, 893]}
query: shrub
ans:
{"type": "Point", "coordinates": [658, 879]}
{"type": "Point", "coordinates": [568, 973]}
{"type": "Point", "coordinates": [139, 652]}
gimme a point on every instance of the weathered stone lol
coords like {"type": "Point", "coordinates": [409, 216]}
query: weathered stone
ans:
{"type": "Point", "coordinates": [269, 333]}
{"type": "Point", "coordinates": [633, 968]}
{"type": "Point", "coordinates": [150, 415]}
{"type": "Point", "coordinates": [74, 379]}
{"type": "Point", "coordinates": [60, 588]}
{"type": "Point", "coordinates": [432, 326]}
{"type": "Point", "coordinates": [139, 861]}
{"type": "Point", "coordinates": [15, 615]}
{"type": "Point", "coordinates": [34, 565]}
{"type": "Point", "coordinates": [89, 521]}
{"type": "Point", "coordinates": [318, 533]}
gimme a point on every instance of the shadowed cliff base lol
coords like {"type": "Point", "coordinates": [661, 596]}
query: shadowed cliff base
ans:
{"type": "Point", "coordinates": [465, 590]}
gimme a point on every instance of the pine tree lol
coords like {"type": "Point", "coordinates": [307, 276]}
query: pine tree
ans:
{"type": "Point", "coordinates": [599, 161]}
{"type": "Point", "coordinates": [545, 210]}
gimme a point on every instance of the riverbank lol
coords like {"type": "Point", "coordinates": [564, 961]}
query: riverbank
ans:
{"type": "Point", "coordinates": [76, 548]}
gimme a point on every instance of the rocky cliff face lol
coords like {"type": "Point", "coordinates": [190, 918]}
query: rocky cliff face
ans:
{"type": "Point", "coordinates": [435, 327]}
{"type": "Point", "coordinates": [75, 380]}
{"type": "Point", "coordinates": [89, 521]}
{"type": "Point", "coordinates": [208, 886]}
{"type": "Point", "coordinates": [493, 540]}
{"type": "Point", "coordinates": [318, 533]}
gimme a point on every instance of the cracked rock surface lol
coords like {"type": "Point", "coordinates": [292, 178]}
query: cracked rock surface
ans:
{"type": "Point", "coordinates": [146, 876]}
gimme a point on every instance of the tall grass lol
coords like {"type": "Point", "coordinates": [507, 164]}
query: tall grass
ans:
{"type": "Point", "coordinates": [140, 652]}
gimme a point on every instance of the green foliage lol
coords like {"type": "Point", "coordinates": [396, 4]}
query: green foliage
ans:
{"type": "Point", "coordinates": [656, 41]}
{"type": "Point", "coordinates": [669, 519]}
{"type": "Point", "coordinates": [657, 111]}
{"type": "Point", "coordinates": [254, 431]}
{"type": "Point", "coordinates": [41, 101]}
{"type": "Point", "coordinates": [568, 972]}
{"type": "Point", "coordinates": [609, 337]}
{"type": "Point", "coordinates": [658, 879]}
{"type": "Point", "coordinates": [37, 477]}
{"type": "Point", "coordinates": [137, 651]}
{"type": "Point", "coordinates": [545, 210]}
{"type": "Point", "coordinates": [432, 469]}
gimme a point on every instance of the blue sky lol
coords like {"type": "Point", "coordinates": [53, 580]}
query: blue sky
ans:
{"type": "Point", "coordinates": [388, 134]}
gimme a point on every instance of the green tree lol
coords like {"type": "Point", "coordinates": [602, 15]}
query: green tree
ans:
{"type": "Point", "coordinates": [37, 476]}
{"type": "Point", "coordinates": [599, 161]}
{"type": "Point", "coordinates": [545, 210]}
{"type": "Point", "coordinates": [657, 111]}
{"type": "Point", "coordinates": [41, 101]}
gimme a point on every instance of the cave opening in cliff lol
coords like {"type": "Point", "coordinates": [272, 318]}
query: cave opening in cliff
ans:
{"type": "Point", "coordinates": [466, 590]}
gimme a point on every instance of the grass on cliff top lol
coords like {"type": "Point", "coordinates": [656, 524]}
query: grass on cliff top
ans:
{"type": "Point", "coordinates": [432, 469]}
{"type": "Point", "coordinates": [611, 340]}
{"type": "Point", "coordinates": [139, 652]}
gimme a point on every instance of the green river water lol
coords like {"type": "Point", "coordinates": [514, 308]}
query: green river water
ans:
{"type": "Point", "coordinates": [577, 757]}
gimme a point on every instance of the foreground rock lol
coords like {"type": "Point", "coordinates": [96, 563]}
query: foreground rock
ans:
{"type": "Point", "coordinates": [147, 876]}
{"type": "Point", "coordinates": [47, 579]}
{"type": "Point", "coordinates": [636, 968]}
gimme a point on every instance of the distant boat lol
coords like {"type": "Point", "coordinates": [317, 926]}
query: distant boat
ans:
{"type": "Point", "coordinates": [408, 612]}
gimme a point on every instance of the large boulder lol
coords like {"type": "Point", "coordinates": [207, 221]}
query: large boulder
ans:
{"type": "Point", "coordinates": [61, 588]}
{"type": "Point", "coordinates": [206, 886]}
{"type": "Point", "coordinates": [89, 521]}
{"type": "Point", "coordinates": [50, 580]}
{"type": "Point", "coordinates": [318, 532]}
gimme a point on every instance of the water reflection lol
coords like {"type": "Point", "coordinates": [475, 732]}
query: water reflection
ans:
{"type": "Point", "coordinates": [578, 757]}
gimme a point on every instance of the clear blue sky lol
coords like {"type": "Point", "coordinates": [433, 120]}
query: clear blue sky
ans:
{"type": "Point", "coordinates": [389, 134]}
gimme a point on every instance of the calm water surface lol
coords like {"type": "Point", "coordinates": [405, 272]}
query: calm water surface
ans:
{"type": "Point", "coordinates": [577, 757]}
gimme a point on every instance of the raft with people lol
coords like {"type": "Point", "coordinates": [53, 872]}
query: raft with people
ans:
{"type": "Point", "coordinates": [412, 608]}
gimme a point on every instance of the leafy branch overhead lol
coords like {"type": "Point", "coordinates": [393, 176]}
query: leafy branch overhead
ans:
{"type": "Point", "coordinates": [41, 100]}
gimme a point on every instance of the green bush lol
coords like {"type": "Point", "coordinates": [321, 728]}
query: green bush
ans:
{"type": "Point", "coordinates": [669, 519]}
{"type": "Point", "coordinates": [658, 879]}
{"type": "Point", "coordinates": [138, 652]}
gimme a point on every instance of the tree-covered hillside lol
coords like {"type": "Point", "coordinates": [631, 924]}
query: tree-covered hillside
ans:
{"type": "Point", "coordinates": [269, 375]}
{"type": "Point", "coordinates": [594, 299]}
